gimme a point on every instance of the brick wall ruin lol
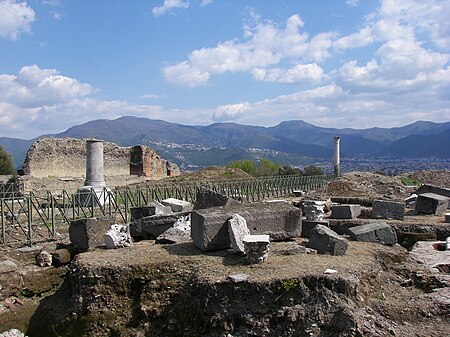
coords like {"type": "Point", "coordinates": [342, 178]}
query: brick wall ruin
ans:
{"type": "Point", "coordinates": [66, 157]}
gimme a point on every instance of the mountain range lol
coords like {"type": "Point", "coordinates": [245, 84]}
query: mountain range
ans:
{"type": "Point", "coordinates": [291, 142]}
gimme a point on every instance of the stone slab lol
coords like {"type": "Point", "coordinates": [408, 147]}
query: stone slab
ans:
{"type": "Point", "coordinates": [88, 234]}
{"type": "Point", "coordinates": [207, 198]}
{"type": "Point", "coordinates": [153, 226]}
{"type": "Point", "coordinates": [327, 241]}
{"type": "Point", "coordinates": [345, 211]}
{"type": "Point", "coordinates": [431, 203]}
{"type": "Point", "coordinates": [152, 208]}
{"type": "Point", "coordinates": [383, 209]}
{"type": "Point", "coordinates": [426, 188]}
{"type": "Point", "coordinates": [259, 238]}
{"type": "Point", "coordinates": [237, 230]}
{"type": "Point", "coordinates": [308, 226]}
{"type": "Point", "coordinates": [177, 205]}
{"type": "Point", "coordinates": [378, 232]}
{"type": "Point", "coordinates": [210, 226]}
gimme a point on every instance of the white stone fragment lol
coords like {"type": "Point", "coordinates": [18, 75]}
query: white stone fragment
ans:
{"type": "Point", "coordinates": [256, 248]}
{"type": "Point", "coordinates": [447, 243]}
{"type": "Point", "coordinates": [118, 236]}
{"type": "Point", "coordinates": [44, 259]}
{"type": "Point", "coordinates": [177, 205]}
{"type": "Point", "coordinates": [330, 271]}
{"type": "Point", "coordinates": [237, 230]}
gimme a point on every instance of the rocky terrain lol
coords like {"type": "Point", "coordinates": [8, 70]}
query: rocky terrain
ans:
{"type": "Point", "coordinates": [176, 290]}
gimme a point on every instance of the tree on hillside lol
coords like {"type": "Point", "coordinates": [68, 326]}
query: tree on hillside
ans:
{"type": "Point", "coordinates": [290, 171]}
{"type": "Point", "coordinates": [6, 164]}
{"type": "Point", "coordinates": [245, 165]}
{"type": "Point", "coordinates": [312, 171]}
{"type": "Point", "coordinates": [267, 167]}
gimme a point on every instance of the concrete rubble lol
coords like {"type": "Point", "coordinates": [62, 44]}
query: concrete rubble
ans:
{"type": "Point", "coordinates": [237, 230]}
{"type": "Point", "coordinates": [431, 203]}
{"type": "Point", "coordinates": [279, 220]}
{"type": "Point", "coordinates": [152, 208]}
{"type": "Point", "coordinates": [177, 205]}
{"type": "Point", "coordinates": [44, 259]}
{"type": "Point", "coordinates": [118, 236]}
{"type": "Point", "coordinates": [207, 198]}
{"type": "Point", "coordinates": [345, 211]}
{"type": "Point", "coordinates": [151, 227]}
{"type": "Point", "coordinates": [327, 241]}
{"type": "Point", "coordinates": [256, 248]}
{"type": "Point", "coordinates": [382, 209]}
{"type": "Point", "coordinates": [180, 232]}
{"type": "Point", "coordinates": [378, 232]}
{"type": "Point", "coordinates": [88, 234]}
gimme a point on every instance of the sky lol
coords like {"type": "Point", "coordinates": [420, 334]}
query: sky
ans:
{"type": "Point", "coordinates": [332, 63]}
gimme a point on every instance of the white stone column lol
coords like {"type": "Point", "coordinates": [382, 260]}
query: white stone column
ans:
{"type": "Point", "coordinates": [94, 163]}
{"type": "Point", "coordinates": [337, 156]}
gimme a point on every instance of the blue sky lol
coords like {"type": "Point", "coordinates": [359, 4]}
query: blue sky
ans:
{"type": "Point", "coordinates": [333, 63]}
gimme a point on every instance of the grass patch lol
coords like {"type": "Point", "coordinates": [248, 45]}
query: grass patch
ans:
{"type": "Point", "coordinates": [410, 181]}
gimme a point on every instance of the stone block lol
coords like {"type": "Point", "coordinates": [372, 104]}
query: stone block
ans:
{"type": "Point", "coordinates": [279, 220]}
{"type": "Point", "coordinates": [206, 198]}
{"type": "Point", "coordinates": [447, 217]}
{"type": "Point", "coordinates": [431, 203]}
{"type": "Point", "coordinates": [177, 205]}
{"type": "Point", "coordinates": [256, 247]}
{"type": "Point", "coordinates": [382, 209]}
{"type": "Point", "coordinates": [327, 241]}
{"type": "Point", "coordinates": [153, 226]}
{"type": "Point", "coordinates": [426, 188]}
{"type": "Point", "coordinates": [237, 229]}
{"type": "Point", "coordinates": [180, 232]}
{"type": "Point", "coordinates": [378, 232]}
{"type": "Point", "coordinates": [87, 234]}
{"type": "Point", "coordinates": [345, 211]}
{"type": "Point", "coordinates": [308, 226]}
{"type": "Point", "coordinates": [61, 257]}
{"type": "Point", "coordinates": [152, 208]}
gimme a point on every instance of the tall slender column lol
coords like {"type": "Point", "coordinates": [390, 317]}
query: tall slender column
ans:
{"type": "Point", "coordinates": [337, 156]}
{"type": "Point", "coordinates": [94, 163]}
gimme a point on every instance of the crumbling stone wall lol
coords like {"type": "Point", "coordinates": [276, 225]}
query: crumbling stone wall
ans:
{"type": "Point", "coordinates": [66, 157]}
{"type": "Point", "coordinates": [146, 162]}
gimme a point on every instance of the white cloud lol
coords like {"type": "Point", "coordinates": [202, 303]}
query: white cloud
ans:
{"type": "Point", "coordinates": [230, 112]}
{"type": "Point", "coordinates": [264, 45]}
{"type": "Point", "coordinates": [168, 6]}
{"type": "Point", "coordinates": [150, 96]}
{"type": "Point", "coordinates": [299, 74]}
{"type": "Point", "coordinates": [352, 3]}
{"type": "Point", "coordinates": [15, 18]}
{"type": "Point", "coordinates": [204, 3]}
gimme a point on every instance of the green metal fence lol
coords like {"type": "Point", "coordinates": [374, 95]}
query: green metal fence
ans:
{"type": "Point", "coordinates": [32, 218]}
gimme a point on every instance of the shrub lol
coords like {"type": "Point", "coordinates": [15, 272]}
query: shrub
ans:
{"type": "Point", "coordinates": [6, 164]}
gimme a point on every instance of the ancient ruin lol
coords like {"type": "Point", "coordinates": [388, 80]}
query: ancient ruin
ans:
{"type": "Point", "coordinates": [64, 159]}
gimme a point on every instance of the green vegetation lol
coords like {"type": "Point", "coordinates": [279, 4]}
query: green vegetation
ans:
{"type": "Point", "coordinates": [266, 167]}
{"type": "Point", "coordinates": [6, 164]}
{"type": "Point", "coordinates": [289, 284]}
{"type": "Point", "coordinates": [410, 181]}
{"type": "Point", "coordinates": [245, 165]}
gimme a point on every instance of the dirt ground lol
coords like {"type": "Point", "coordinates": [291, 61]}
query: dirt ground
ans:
{"type": "Point", "coordinates": [397, 295]}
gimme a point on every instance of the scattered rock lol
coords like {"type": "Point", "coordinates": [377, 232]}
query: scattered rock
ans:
{"type": "Point", "coordinates": [207, 198]}
{"type": "Point", "coordinates": [118, 236]}
{"type": "Point", "coordinates": [256, 248]}
{"type": "Point", "coordinates": [44, 259]}
{"type": "Point", "coordinates": [431, 203]}
{"type": "Point", "coordinates": [237, 230]}
{"type": "Point", "coordinates": [7, 266]}
{"type": "Point", "coordinates": [180, 232]}
{"type": "Point", "coordinates": [177, 205]}
{"type": "Point", "coordinates": [379, 232]}
{"type": "Point", "coordinates": [345, 211]}
{"type": "Point", "coordinates": [12, 333]}
{"type": "Point", "coordinates": [383, 209]}
{"type": "Point", "coordinates": [327, 241]}
{"type": "Point", "coordinates": [61, 257]}
{"type": "Point", "coordinates": [330, 271]}
{"type": "Point", "coordinates": [238, 278]}
{"type": "Point", "coordinates": [88, 234]}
